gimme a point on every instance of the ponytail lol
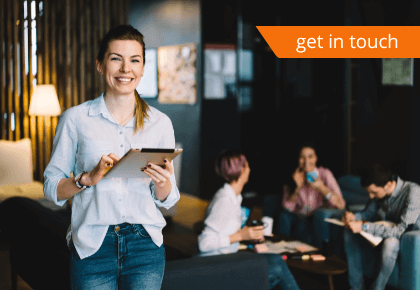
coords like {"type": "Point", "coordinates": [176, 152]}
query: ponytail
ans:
{"type": "Point", "coordinates": [142, 112]}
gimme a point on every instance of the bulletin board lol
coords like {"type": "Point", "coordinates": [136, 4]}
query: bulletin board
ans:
{"type": "Point", "coordinates": [177, 74]}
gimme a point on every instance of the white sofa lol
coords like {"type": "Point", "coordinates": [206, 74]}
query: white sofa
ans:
{"type": "Point", "coordinates": [16, 173]}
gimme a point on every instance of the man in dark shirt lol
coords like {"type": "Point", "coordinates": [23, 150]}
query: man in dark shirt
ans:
{"type": "Point", "coordinates": [400, 200]}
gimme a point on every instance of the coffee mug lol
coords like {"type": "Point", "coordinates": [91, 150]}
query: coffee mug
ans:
{"type": "Point", "coordinates": [255, 223]}
{"type": "Point", "coordinates": [268, 225]}
{"type": "Point", "coordinates": [311, 176]}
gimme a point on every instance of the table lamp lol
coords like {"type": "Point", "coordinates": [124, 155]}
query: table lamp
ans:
{"type": "Point", "coordinates": [44, 101]}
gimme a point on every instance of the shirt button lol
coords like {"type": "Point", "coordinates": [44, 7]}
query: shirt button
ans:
{"type": "Point", "coordinates": [121, 145]}
{"type": "Point", "coordinates": [123, 216]}
{"type": "Point", "coordinates": [121, 132]}
{"type": "Point", "coordinates": [117, 228]}
{"type": "Point", "coordinates": [120, 199]}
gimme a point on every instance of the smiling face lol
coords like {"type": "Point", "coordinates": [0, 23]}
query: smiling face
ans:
{"type": "Point", "coordinates": [307, 159]}
{"type": "Point", "coordinates": [122, 67]}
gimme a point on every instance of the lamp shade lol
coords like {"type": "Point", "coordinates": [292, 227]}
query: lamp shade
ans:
{"type": "Point", "coordinates": [44, 101]}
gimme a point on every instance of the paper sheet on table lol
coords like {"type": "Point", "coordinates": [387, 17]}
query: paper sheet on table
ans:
{"type": "Point", "coordinates": [279, 247]}
{"type": "Point", "coordinates": [283, 247]}
{"type": "Point", "coordinates": [301, 246]}
{"type": "Point", "coordinates": [374, 240]}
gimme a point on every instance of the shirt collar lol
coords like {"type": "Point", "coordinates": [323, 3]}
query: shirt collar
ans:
{"type": "Point", "coordinates": [232, 194]}
{"type": "Point", "coordinates": [398, 187]}
{"type": "Point", "coordinates": [98, 106]}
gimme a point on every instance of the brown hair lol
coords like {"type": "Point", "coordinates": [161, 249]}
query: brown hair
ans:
{"type": "Point", "coordinates": [127, 32]}
{"type": "Point", "coordinates": [378, 174]}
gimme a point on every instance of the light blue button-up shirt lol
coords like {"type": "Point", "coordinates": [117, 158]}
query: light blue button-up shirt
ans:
{"type": "Point", "coordinates": [86, 132]}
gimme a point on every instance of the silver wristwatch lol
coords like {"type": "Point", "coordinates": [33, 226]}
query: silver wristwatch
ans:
{"type": "Point", "coordinates": [364, 227]}
{"type": "Point", "coordinates": [77, 180]}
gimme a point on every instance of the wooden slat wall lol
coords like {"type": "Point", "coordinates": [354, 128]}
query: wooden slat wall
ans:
{"type": "Point", "coordinates": [9, 76]}
{"type": "Point", "coordinates": [39, 150]}
{"type": "Point", "coordinates": [32, 119]}
{"type": "Point", "coordinates": [23, 74]}
{"type": "Point", "coordinates": [54, 45]}
{"type": "Point", "coordinates": [16, 109]}
{"type": "Point", "coordinates": [3, 124]}
{"type": "Point", "coordinates": [68, 35]}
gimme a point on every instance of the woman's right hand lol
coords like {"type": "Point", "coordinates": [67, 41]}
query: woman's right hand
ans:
{"type": "Point", "coordinates": [252, 233]}
{"type": "Point", "coordinates": [299, 177]}
{"type": "Point", "coordinates": [106, 162]}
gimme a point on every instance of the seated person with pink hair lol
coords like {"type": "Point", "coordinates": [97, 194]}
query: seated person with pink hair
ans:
{"type": "Point", "coordinates": [306, 194]}
{"type": "Point", "coordinates": [222, 225]}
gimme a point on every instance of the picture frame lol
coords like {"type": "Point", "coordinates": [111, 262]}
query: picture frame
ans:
{"type": "Point", "coordinates": [177, 74]}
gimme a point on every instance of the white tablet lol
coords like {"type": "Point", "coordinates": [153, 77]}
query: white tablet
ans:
{"type": "Point", "coordinates": [130, 165]}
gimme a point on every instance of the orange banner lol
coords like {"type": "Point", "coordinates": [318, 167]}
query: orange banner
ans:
{"type": "Point", "coordinates": [343, 41]}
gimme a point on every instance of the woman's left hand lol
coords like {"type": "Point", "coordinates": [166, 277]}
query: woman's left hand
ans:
{"type": "Point", "coordinates": [161, 178]}
{"type": "Point", "coordinates": [317, 184]}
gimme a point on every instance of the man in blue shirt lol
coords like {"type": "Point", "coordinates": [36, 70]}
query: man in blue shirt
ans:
{"type": "Point", "coordinates": [400, 200]}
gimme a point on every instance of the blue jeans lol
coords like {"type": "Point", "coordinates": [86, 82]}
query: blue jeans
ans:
{"type": "Point", "coordinates": [127, 259]}
{"type": "Point", "coordinates": [295, 226]}
{"type": "Point", "coordinates": [353, 244]}
{"type": "Point", "coordinates": [279, 274]}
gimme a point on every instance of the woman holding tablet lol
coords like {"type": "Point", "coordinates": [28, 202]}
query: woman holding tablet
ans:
{"type": "Point", "coordinates": [312, 187]}
{"type": "Point", "coordinates": [115, 236]}
{"type": "Point", "coordinates": [222, 225]}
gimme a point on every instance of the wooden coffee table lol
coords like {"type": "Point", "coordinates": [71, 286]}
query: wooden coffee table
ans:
{"type": "Point", "coordinates": [330, 266]}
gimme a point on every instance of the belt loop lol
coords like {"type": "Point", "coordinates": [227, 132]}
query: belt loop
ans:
{"type": "Point", "coordinates": [133, 227]}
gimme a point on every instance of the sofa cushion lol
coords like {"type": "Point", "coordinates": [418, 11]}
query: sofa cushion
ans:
{"type": "Point", "coordinates": [33, 190]}
{"type": "Point", "coordinates": [353, 192]}
{"type": "Point", "coordinates": [16, 162]}
{"type": "Point", "coordinates": [242, 270]}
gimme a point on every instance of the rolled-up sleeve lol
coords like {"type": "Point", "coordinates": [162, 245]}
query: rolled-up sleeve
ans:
{"type": "Point", "coordinates": [173, 196]}
{"type": "Point", "coordinates": [63, 156]}
{"type": "Point", "coordinates": [167, 141]}
{"type": "Point", "coordinates": [367, 214]}
{"type": "Point", "coordinates": [332, 184]}
{"type": "Point", "coordinates": [287, 204]}
{"type": "Point", "coordinates": [211, 238]}
{"type": "Point", "coordinates": [409, 216]}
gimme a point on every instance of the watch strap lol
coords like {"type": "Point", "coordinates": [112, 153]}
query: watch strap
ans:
{"type": "Point", "coordinates": [364, 226]}
{"type": "Point", "coordinates": [79, 184]}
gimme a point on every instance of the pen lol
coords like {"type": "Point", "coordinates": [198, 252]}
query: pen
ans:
{"type": "Point", "coordinates": [304, 257]}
